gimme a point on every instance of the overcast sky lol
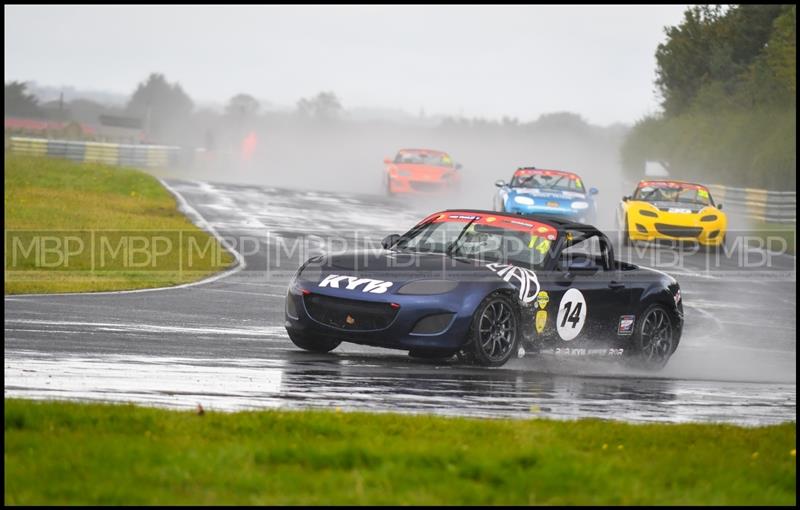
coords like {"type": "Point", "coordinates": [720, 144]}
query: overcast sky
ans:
{"type": "Point", "coordinates": [490, 61]}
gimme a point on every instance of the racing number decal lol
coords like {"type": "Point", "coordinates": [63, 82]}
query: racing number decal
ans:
{"type": "Point", "coordinates": [571, 314]}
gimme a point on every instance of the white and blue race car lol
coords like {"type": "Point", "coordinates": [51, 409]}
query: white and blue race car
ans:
{"type": "Point", "coordinates": [547, 192]}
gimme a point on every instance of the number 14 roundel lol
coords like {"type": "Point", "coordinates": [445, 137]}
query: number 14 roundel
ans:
{"type": "Point", "coordinates": [571, 314]}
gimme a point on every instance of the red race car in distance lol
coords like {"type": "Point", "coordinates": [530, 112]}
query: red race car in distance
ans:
{"type": "Point", "coordinates": [421, 171]}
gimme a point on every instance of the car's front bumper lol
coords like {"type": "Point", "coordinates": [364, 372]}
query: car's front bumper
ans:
{"type": "Point", "coordinates": [672, 227]}
{"type": "Point", "coordinates": [399, 333]}
{"type": "Point", "coordinates": [399, 184]}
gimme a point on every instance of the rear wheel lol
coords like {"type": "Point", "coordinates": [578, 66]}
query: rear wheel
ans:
{"type": "Point", "coordinates": [314, 343]}
{"type": "Point", "coordinates": [493, 336]}
{"type": "Point", "coordinates": [654, 338]}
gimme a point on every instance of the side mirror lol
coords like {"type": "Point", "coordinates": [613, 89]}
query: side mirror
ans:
{"type": "Point", "coordinates": [458, 166]}
{"type": "Point", "coordinates": [626, 198]}
{"type": "Point", "coordinates": [390, 240]}
{"type": "Point", "coordinates": [719, 206]}
{"type": "Point", "coordinates": [594, 191]}
{"type": "Point", "coordinates": [500, 183]}
{"type": "Point", "coordinates": [387, 160]}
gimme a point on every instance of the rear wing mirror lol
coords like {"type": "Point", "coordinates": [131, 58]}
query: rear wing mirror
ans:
{"type": "Point", "coordinates": [390, 240]}
{"type": "Point", "coordinates": [500, 183]}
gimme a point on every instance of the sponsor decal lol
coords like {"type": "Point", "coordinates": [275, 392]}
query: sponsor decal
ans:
{"type": "Point", "coordinates": [626, 323]}
{"type": "Point", "coordinates": [567, 351]}
{"type": "Point", "coordinates": [542, 299]}
{"type": "Point", "coordinates": [335, 281]}
{"type": "Point", "coordinates": [679, 210]}
{"type": "Point", "coordinates": [571, 314]}
{"type": "Point", "coordinates": [677, 297]}
{"type": "Point", "coordinates": [526, 281]}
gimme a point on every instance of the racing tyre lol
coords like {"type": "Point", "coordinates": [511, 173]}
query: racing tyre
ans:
{"type": "Point", "coordinates": [494, 333]}
{"type": "Point", "coordinates": [719, 248]}
{"type": "Point", "coordinates": [654, 339]}
{"type": "Point", "coordinates": [626, 239]}
{"type": "Point", "coordinates": [314, 343]}
{"type": "Point", "coordinates": [432, 353]}
{"type": "Point", "coordinates": [389, 187]}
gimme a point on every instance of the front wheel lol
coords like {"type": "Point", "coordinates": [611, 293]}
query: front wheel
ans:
{"type": "Point", "coordinates": [313, 343]}
{"type": "Point", "coordinates": [626, 238]}
{"type": "Point", "coordinates": [654, 338]}
{"type": "Point", "coordinates": [494, 333]}
{"type": "Point", "coordinates": [388, 188]}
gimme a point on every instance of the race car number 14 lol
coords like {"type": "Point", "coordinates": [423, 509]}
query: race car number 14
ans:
{"type": "Point", "coordinates": [571, 314]}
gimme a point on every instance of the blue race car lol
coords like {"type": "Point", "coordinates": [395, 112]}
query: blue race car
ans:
{"type": "Point", "coordinates": [481, 285]}
{"type": "Point", "coordinates": [549, 192]}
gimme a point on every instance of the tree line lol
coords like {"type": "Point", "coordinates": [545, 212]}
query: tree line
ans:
{"type": "Point", "coordinates": [727, 81]}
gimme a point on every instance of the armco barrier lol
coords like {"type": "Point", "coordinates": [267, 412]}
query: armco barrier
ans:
{"type": "Point", "coordinates": [757, 204]}
{"type": "Point", "coordinates": [141, 156]}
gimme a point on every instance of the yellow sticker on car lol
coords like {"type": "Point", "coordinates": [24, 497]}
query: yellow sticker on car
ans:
{"type": "Point", "coordinates": [543, 246]}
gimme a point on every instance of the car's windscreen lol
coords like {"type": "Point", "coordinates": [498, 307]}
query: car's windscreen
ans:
{"type": "Point", "coordinates": [673, 193]}
{"type": "Point", "coordinates": [481, 242]}
{"type": "Point", "coordinates": [423, 158]}
{"type": "Point", "coordinates": [556, 182]}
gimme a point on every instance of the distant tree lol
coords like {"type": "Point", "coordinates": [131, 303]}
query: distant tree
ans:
{"type": "Point", "coordinates": [18, 102]}
{"type": "Point", "coordinates": [713, 47]}
{"type": "Point", "coordinates": [242, 106]}
{"type": "Point", "coordinates": [561, 121]}
{"type": "Point", "coordinates": [325, 106]}
{"type": "Point", "coordinates": [164, 107]}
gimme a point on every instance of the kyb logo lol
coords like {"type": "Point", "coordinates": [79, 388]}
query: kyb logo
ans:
{"type": "Point", "coordinates": [526, 280]}
{"type": "Point", "coordinates": [352, 282]}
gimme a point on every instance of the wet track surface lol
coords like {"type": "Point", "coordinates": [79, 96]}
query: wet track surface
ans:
{"type": "Point", "coordinates": [222, 343]}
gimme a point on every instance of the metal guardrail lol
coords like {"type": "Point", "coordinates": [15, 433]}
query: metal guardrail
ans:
{"type": "Point", "coordinates": [757, 204]}
{"type": "Point", "coordinates": [140, 156]}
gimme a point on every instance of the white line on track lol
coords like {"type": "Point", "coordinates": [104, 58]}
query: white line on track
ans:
{"type": "Point", "coordinates": [153, 328]}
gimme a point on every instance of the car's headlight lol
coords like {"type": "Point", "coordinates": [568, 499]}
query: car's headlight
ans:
{"type": "Point", "coordinates": [428, 287]}
{"type": "Point", "coordinates": [645, 212]}
{"type": "Point", "coordinates": [580, 205]}
{"type": "Point", "coordinates": [523, 200]}
{"type": "Point", "coordinates": [709, 217]}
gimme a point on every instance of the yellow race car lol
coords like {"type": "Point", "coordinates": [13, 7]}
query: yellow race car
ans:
{"type": "Point", "coordinates": [671, 210]}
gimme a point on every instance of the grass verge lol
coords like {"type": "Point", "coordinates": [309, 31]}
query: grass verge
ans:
{"type": "Point", "coordinates": [71, 453]}
{"type": "Point", "coordinates": [81, 227]}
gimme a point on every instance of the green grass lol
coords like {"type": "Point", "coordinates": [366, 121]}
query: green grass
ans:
{"type": "Point", "coordinates": [79, 227]}
{"type": "Point", "coordinates": [70, 453]}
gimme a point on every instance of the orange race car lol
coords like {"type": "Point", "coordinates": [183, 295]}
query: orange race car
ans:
{"type": "Point", "coordinates": [421, 171]}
